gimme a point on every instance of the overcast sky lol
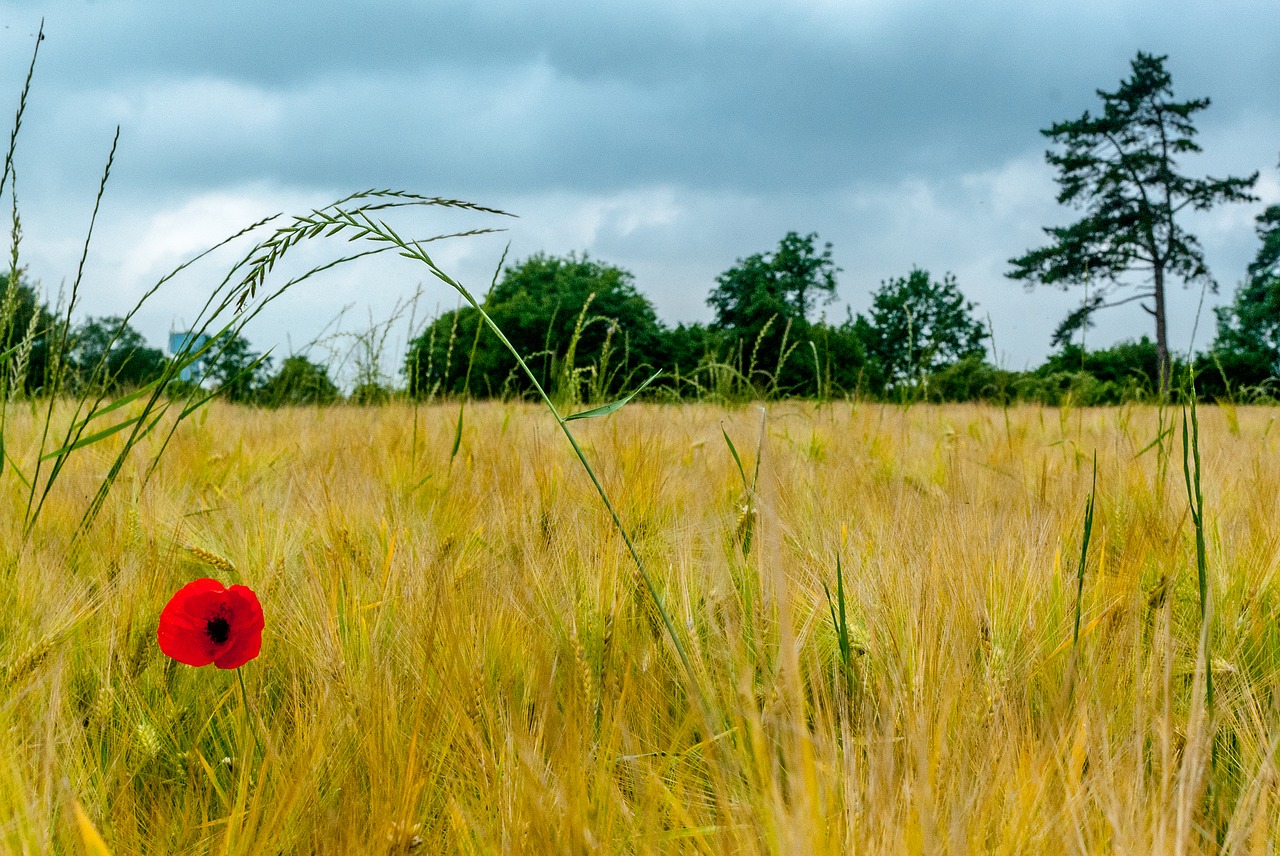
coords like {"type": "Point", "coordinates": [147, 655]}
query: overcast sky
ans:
{"type": "Point", "coordinates": [669, 138]}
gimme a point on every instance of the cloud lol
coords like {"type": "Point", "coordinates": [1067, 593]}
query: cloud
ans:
{"type": "Point", "coordinates": [669, 137]}
{"type": "Point", "coordinates": [760, 95]}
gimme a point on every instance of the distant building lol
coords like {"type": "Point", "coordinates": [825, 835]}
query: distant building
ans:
{"type": "Point", "coordinates": [188, 343]}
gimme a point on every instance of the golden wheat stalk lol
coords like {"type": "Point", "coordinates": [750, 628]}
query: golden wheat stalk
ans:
{"type": "Point", "coordinates": [212, 559]}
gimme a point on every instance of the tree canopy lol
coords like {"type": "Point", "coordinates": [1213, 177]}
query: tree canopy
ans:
{"type": "Point", "coordinates": [298, 382]}
{"type": "Point", "coordinates": [236, 368]}
{"type": "Point", "coordinates": [919, 325]}
{"type": "Point", "coordinates": [26, 328]}
{"type": "Point", "coordinates": [1247, 345]}
{"type": "Point", "coordinates": [572, 318]}
{"type": "Point", "coordinates": [784, 284]}
{"type": "Point", "coordinates": [108, 354]}
{"type": "Point", "coordinates": [1121, 168]}
{"type": "Point", "coordinates": [762, 306]}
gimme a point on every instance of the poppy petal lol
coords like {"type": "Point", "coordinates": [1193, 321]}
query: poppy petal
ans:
{"type": "Point", "coordinates": [181, 632]}
{"type": "Point", "coordinates": [205, 623]}
{"type": "Point", "coordinates": [242, 648]}
{"type": "Point", "coordinates": [245, 641]}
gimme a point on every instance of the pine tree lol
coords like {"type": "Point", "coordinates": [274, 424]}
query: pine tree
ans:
{"type": "Point", "coordinates": [1121, 168]}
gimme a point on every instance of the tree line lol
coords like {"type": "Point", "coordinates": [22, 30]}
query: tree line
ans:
{"type": "Point", "coordinates": [590, 335]}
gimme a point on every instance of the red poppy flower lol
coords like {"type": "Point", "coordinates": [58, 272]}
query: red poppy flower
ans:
{"type": "Point", "coordinates": [205, 623]}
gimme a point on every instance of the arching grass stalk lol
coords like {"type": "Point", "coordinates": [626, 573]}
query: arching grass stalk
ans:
{"type": "Point", "coordinates": [417, 253]}
{"type": "Point", "coordinates": [334, 220]}
{"type": "Point", "coordinates": [22, 108]}
{"type": "Point", "coordinates": [471, 361]}
{"type": "Point", "coordinates": [216, 332]}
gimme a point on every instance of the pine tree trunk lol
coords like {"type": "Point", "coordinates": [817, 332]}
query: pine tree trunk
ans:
{"type": "Point", "coordinates": [1163, 369]}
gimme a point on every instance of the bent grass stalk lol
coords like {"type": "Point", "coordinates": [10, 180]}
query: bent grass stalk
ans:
{"type": "Point", "coordinates": [471, 361]}
{"type": "Point", "coordinates": [358, 224]}
{"type": "Point", "coordinates": [155, 406]}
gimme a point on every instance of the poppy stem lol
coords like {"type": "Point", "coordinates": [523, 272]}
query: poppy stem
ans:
{"type": "Point", "coordinates": [244, 705]}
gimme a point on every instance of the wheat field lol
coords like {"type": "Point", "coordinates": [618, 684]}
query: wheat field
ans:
{"type": "Point", "coordinates": [460, 656]}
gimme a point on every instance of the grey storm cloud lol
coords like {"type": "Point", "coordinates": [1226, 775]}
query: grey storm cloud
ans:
{"type": "Point", "coordinates": [670, 137]}
{"type": "Point", "coordinates": [515, 96]}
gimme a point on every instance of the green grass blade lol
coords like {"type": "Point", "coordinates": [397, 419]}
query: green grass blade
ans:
{"type": "Point", "coordinates": [755, 475]}
{"type": "Point", "coordinates": [733, 450]}
{"type": "Point", "coordinates": [1084, 551]}
{"type": "Point", "coordinates": [840, 624]}
{"type": "Point", "coordinates": [91, 439]}
{"type": "Point", "coordinates": [606, 409]}
{"type": "Point", "coordinates": [16, 471]}
{"type": "Point", "coordinates": [1195, 499]}
{"type": "Point", "coordinates": [457, 434]}
{"type": "Point", "coordinates": [1156, 442]}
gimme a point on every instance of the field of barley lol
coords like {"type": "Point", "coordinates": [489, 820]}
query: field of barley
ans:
{"type": "Point", "coordinates": [873, 648]}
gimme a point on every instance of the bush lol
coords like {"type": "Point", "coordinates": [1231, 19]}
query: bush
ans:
{"type": "Point", "coordinates": [299, 381]}
{"type": "Point", "coordinates": [972, 379]}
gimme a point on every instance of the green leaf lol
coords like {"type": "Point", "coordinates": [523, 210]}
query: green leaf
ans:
{"type": "Point", "coordinates": [1156, 442]}
{"type": "Point", "coordinates": [606, 409]}
{"type": "Point", "coordinates": [1084, 550]}
{"type": "Point", "coordinates": [733, 450]}
{"type": "Point", "coordinates": [121, 402]}
{"type": "Point", "coordinates": [91, 439]}
{"type": "Point", "coordinates": [457, 435]}
{"type": "Point", "coordinates": [16, 471]}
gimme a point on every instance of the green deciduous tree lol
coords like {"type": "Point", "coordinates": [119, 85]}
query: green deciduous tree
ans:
{"type": "Point", "coordinates": [763, 303]}
{"type": "Point", "coordinates": [841, 351]}
{"type": "Point", "coordinates": [787, 283]}
{"type": "Point", "coordinates": [299, 381]}
{"type": "Point", "coordinates": [1247, 345]}
{"type": "Point", "coordinates": [539, 304]}
{"type": "Point", "coordinates": [236, 368]}
{"type": "Point", "coordinates": [108, 354]}
{"type": "Point", "coordinates": [26, 330]}
{"type": "Point", "coordinates": [918, 326]}
{"type": "Point", "coordinates": [1121, 168]}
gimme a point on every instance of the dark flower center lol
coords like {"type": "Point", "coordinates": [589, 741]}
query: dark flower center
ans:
{"type": "Point", "coordinates": [217, 629]}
